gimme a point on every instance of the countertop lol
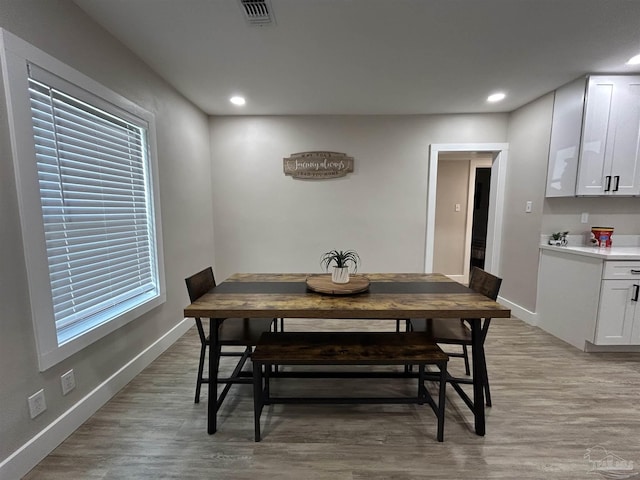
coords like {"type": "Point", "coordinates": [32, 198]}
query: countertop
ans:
{"type": "Point", "coordinates": [611, 253]}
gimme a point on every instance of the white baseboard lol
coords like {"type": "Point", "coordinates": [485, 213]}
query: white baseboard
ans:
{"type": "Point", "coordinates": [522, 313]}
{"type": "Point", "coordinates": [20, 462]}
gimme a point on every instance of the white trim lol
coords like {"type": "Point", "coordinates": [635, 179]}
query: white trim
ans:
{"type": "Point", "coordinates": [31, 453]}
{"type": "Point", "coordinates": [14, 55]}
{"type": "Point", "coordinates": [496, 213]}
{"type": "Point", "coordinates": [496, 207]}
{"type": "Point", "coordinates": [24, 50]}
{"type": "Point", "coordinates": [522, 313]}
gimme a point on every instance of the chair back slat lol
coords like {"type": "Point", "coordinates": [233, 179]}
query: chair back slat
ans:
{"type": "Point", "coordinates": [484, 283]}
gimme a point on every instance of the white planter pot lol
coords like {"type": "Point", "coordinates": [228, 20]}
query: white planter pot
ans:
{"type": "Point", "coordinates": [558, 243]}
{"type": "Point", "coordinates": [340, 275]}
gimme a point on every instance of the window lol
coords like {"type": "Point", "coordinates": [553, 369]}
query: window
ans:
{"type": "Point", "coordinates": [94, 184]}
{"type": "Point", "coordinates": [85, 168]}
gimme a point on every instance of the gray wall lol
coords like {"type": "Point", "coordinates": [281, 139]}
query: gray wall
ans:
{"type": "Point", "coordinates": [264, 221]}
{"type": "Point", "coordinates": [451, 226]}
{"type": "Point", "coordinates": [528, 137]}
{"type": "Point", "coordinates": [61, 29]}
{"type": "Point", "coordinates": [267, 222]}
{"type": "Point", "coordinates": [563, 214]}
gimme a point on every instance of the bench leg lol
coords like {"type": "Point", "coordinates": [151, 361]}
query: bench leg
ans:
{"type": "Point", "coordinates": [421, 387]}
{"type": "Point", "coordinates": [257, 398]}
{"type": "Point", "coordinates": [442, 399]}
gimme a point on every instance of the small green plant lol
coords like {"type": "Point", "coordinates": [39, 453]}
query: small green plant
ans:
{"type": "Point", "coordinates": [341, 259]}
{"type": "Point", "coordinates": [558, 235]}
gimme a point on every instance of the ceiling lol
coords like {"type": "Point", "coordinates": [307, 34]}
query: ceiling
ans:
{"type": "Point", "coordinates": [373, 56]}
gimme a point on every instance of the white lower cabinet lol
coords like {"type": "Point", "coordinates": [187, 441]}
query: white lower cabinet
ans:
{"type": "Point", "coordinates": [589, 301]}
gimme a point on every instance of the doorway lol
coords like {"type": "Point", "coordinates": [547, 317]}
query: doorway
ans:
{"type": "Point", "coordinates": [462, 208]}
{"type": "Point", "coordinates": [499, 154]}
{"type": "Point", "coordinates": [480, 215]}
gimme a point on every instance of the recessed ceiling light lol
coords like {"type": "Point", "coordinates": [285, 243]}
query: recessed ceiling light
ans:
{"type": "Point", "coordinates": [496, 97]}
{"type": "Point", "coordinates": [634, 60]}
{"type": "Point", "coordinates": [237, 100]}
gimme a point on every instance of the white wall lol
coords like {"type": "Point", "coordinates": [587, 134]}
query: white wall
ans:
{"type": "Point", "coordinates": [267, 222]}
{"type": "Point", "coordinates": [61, 29]}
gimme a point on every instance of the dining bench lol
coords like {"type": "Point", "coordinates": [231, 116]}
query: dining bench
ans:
{"type": "Point", "coordinates": [348, 348]}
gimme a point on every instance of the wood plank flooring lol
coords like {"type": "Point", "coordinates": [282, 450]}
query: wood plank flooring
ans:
{"type": "Point", "coordinates": [551, 403]}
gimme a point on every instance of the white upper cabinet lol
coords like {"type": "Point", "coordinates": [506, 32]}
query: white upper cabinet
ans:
{"type": "Point", "coordinates": [568, 107]}
{"type": "Point", "coordinates": [595, 138]}
{"type": "Point", "coordinates": [609, 162]}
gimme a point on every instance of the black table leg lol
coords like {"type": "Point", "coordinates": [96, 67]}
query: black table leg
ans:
{"type": "Point", "coordinates": [477, 354]}
{"type": "Point", "coordinates": [212, 391]}
{"type": "Point", "coordinates": [258, 400]}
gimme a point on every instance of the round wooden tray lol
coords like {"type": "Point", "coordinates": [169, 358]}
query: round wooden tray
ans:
{"type": "Point", "coordinates": [323, 284]}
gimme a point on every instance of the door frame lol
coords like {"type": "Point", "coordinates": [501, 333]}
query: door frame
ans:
{"type": "Point", "coordinates": [500, 153]}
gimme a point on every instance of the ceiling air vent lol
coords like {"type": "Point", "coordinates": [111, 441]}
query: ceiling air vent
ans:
{"type": "Point", "coordinates": [258, 12]}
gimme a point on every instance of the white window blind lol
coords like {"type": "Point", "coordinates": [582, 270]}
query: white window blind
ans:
{"type": "Point", "coordinates": [94, 180]}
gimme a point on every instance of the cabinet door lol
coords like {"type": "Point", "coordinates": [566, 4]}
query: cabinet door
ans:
{"type": "Point", "coordinates": [566, 126]}
{"type": "Point", "coordinates": [616, 313]}
{"type": "Point", "coordinates": [625, 138]}
{"type": "Point", "coordinates": [595, 158]}
{"type": "Point", "coordinates": [609, 162]}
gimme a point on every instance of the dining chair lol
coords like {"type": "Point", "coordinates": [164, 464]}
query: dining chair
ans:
{"type": "Point", "coordinates": [448, 332]}
{"type": "Point", "coordinates": [236, 332]}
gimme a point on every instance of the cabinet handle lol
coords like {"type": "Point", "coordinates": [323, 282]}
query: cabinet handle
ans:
{"type": "Point", "coordinates": [636, 291]}
{"type": "Point", "coordinates": [635, 272]}
{"type": "Point", "coordinates": [617, 183]}
{"type": "Point", "coordinates": [608, 187]}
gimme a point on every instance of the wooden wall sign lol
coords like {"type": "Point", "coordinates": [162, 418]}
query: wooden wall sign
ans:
{"type": "Point", "coordinates": [318, 165]}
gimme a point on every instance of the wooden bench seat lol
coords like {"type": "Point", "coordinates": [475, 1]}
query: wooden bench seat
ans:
{"type": "Point", "coordinates": [348, 348]}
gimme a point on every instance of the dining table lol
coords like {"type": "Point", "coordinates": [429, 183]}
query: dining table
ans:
{"type": "Point", "coordinates": [399, 296]}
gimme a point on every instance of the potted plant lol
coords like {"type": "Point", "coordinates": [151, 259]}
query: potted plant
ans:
{"type": "Point", "coordinates": [341, 260]}
{"type": "Point", "coordinates": [558, 239]}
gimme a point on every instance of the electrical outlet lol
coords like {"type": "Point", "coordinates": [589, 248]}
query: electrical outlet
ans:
{"type": "Point", "coordinates": [37, 403]}
{"type": "Point", "coordinates": [68, 381]}
{"type": "Point", "coordinates": [584, 218]}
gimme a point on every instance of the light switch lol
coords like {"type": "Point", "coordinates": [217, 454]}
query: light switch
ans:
{"type": "Point", "coordinates": [584, 218]}
{"type": "Point", "coordinates": [528, 207]}
{"type": "Point", "coordinates": [457, 207]}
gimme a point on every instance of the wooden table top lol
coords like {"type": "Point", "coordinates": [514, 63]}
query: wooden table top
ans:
{"type": "Point", "coordinates": [390, 296]}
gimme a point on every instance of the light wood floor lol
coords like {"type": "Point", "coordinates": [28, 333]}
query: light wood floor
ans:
{"type": "Point", "coordinates": [551, 403]}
